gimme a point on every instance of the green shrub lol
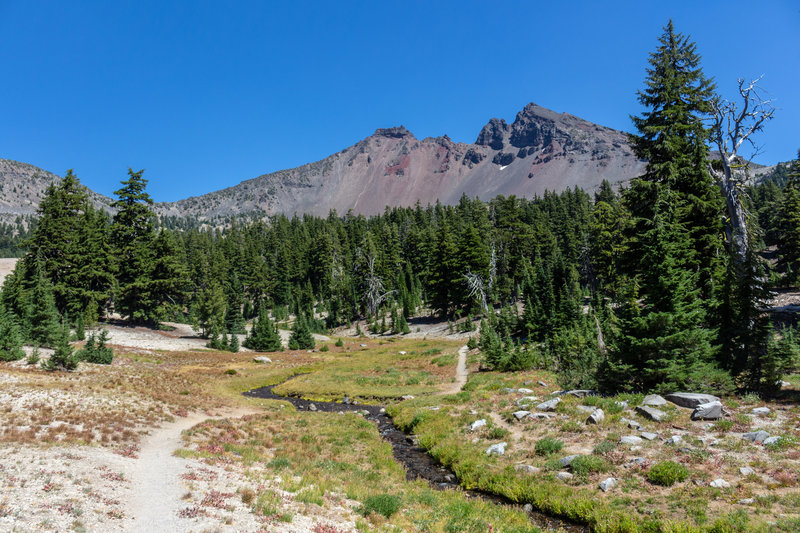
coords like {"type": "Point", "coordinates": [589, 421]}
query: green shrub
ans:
{"type": "Point", "coordinates": [230, 372]}
{"type": "Point", "coordinates": [589, 464]}
{"type": "Point", "coordinates": [339, 343]}
{"type": "Point", "coordinates": [324, 348]}
{"type": "Point", "coordinates": [667, 473]}
{"type": "Point", "coordinates": [604, 447]}
{"type": "Point", "coordinates": [548, 446]}
{"type": "Point", "coordinates": [279, 463]}
{"type": "Point", "coordinates": [498, 433]}
{"type": "Point", "coordinates": [95, 351]}
{"type": "Point", "coordinates": [472, 343]}
{"type": "Point", "coordinates": [383, 504]}
{"type": "Point", "coordinates": [723, 425]}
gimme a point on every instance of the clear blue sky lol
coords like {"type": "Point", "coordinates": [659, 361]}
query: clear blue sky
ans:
{"type": "Point", "coordinates": [206, 94]}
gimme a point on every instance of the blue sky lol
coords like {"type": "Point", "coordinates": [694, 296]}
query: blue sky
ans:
{"type": "Point", "coordinates": [206, 94]}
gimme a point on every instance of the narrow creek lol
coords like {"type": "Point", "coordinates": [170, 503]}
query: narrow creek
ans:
{"type": "Point", "coordinates": [417, 462]}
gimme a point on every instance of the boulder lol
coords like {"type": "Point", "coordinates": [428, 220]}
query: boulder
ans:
{"type": "Point", "coordinates": [632, 424]}
{"type": "Point", "coordinates": [525, 391]}
{"type": "Point", "coordinates": [581, 393]}
{"type": "Point", "coordinates": [708, 411]}
{"type": "Point", "coordinates": [649, 436]}
{"type": "Point", "coordinates": [771, 440]}
{"type": "Point", "coordinates": [262, 359]}
{"type": "Point", "coordinates": [630, 439]}
{"type": "Point", "coordinates": [541, 383]}
{"type": "Point", "coordinates": [477, 424]}
{"type": "Point", "coordinates": [654, 400]}
{"type": "Point", "coordinates": [549, 405]}
{"type": "Point", "coordinates": [519, 415]}
{"type": "Point", "coordinates": [312, 407]}
{"type": "Point", "coordinates": [720, 484]}
{"type": "Point", "coordinates": [527, 400]}
{"type": "Point", "coordinates": [564, 476]}
{"type": "Point", "coordinates": [566, 461]}
{"type": "Point", "coordinates": [608, 484]}
{"type": "Point", "coordinates": [541, 416]}
{"type": "Point", "coordinates": [596, 417]}
{"type": "Point", "coordinates": [497, 449]}
{"type": "Point", "coordinates": [746, 471]}
{"type": "Point", "coordinates": [651, 413]}
{"type": "Point", "coordinates": [674, 440]}
{"type": "Point", "coordinates": [690, 400]}
{"type": "Point", "coordinates": [756, 436]}
{"type": "Point", "coordinates": [760, 411]}
{"type": "Point", "coordinates": [527, 469]}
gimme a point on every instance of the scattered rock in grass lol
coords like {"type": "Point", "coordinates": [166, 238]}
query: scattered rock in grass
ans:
{"type": "Point", "coordinates": [525, 391]}
{"type": "Point", "coordinates": [674, 440]}
{"type": "Point", "coordinates": [771, 440]}
{"type": "Point", "coordinates": [708, 440]}
{"type": "Point", "coordinates": [690, 400]}
{"type": "Point", "coordinates": [477, 424]}
{"type": "Point", "coordinates": [497, 449]}
{"type": "Point", "coordinates": [638, 461]}
{"type": "Point", "coordinates": [525, 400]}
{"type": "Point", "coordinates": [649, 436]}
{"type": "Point", "coordinates": [747, 501]}
{"type": "Point", "coordinates": [720, 484]}
{"type": "Point", "coordinates": [507, 390]}
{"type": "Point", "coordinates": [630, 439]}
{"type": "Point", "coordinates": [541, 416]}
{"type": "Point", "coordinates": [585, 408]}
{"type": "Point", "coordinates": [654, 400]}
{"type": "Point", "coordinates": [760, 411]}
{"type": "Point", "coordinates": [402, 352]}
{"type": "Point", "coordinates": [623, 404]}
{"type": "Point", "coordinates": [363, 345]}
{"type": "Point", "coordinates": [708, 411]}
{"type": "Point", "coordinates": [566, 461]}
{"type": "Point", "coordinates": [651, 413]}
{"type": "Point", "coordinates": [756, 436]}
{"type": "Point", "coordinates": [564, 476]}
{"type": "Point", "coordinates": [549, 405]}
{"type": "Point", "coordinates": [527, 469]}
{"type": "Point", "coordinates": [312, 407]}
{"type": "Point", "coordinates": [519, 415]}
{"type": "Point", "coordinates": [407, 397]}
{"type": "Point", "coordinates": [262, 359]}
{"type": "Point", "coordinates": [746, 471]}
{"type": "Point", "coordinates": [528, 508]}
{"type": "Point", "coordinates": [382, 411]}
{"type": "Point", "coordinates": [608, 484]}
{"type": "Point", "coordinates": [632, 424]}
{"type": "Point", "coordinates": [541, 383]}
{"type": "Point", "coordinates": [581, 393]}
{"type": "Point", "coordinates": [596, 417]}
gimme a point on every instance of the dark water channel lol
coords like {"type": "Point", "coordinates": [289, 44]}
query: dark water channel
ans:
{"type": "Point", "coordinates": [417, 462]}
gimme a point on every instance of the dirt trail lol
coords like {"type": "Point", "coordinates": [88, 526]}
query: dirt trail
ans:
{"type": "Point", "coordinates": [156, 482]}
{"type": "Point", "coordinates": [461, 373]}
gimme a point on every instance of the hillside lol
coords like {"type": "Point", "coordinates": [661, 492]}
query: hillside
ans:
{"type": "Point", "coordinates": [541, 150]}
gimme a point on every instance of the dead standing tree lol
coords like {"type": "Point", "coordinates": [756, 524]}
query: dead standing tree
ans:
{"type": "Point", "coordinates": [732, 126]}
{"type": "Point", "coordinates": [375, 293]}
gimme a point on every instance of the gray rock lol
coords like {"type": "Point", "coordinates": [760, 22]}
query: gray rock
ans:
{"type": "Point", "coordinates": [783, 383]}
{"type": "Point", "coordinates": [638, 461]}
{"type": "Point", "coordinates": [527, 469]}
{"type": "Point", "coordinates": [528, 508]}
{"type": "Point", "coordinates": [566, 461]}
{"type": "Point", "coordinates": [747, 501]}
{"type": "Point", "coordinates": [407, 397]}
{"type": "Point", "coordinates": [524, 391]}
{"type": "Point", "coordinates": [746, 471]}
{"type": "Point", "coordinates": [497, 449]}
{"type": "Point", "coordinates": [649, 436]}
{"type": "Point", "coordinates": [519, 415]}
{"type": "Point", "coordinates": [708, 411]}
{"type": "Point", "coordinates": [508, 391]}
{"type": "Point", "coordinates": [312, 407]}
{"type": "Point", "coordinates": [608, 484]}
{"type": "Point", "coordinates": [262, 359]}
{"type": "Point", "coordinates": [541, 416]}
{"type": "Point", "coordinates": [690, 400]}
{"type": "Point", "coordinates": [541, 383]}
{"type": "Point", "coordinates": [363, 345]}
{"type": "Point", "coordinates": [564, 476]}
{"type": "Point", "coordinates": [630, 439]}
{"type": "Point", "coordinates": [720, 484]}
{"type": "Point", "coordinates": [525, 400]}
{"type": "Point", "coordinates": [760, 411]}
{"type": "Point", "coordinates": [585, 408]}
{"type": "Point", "coordinates": [632, 424]}
{"type": "Point", "coordinates": [623, 404]}
{"type": "Point", "coordinates": [771, 440]}
{"type": "Point", "coordinates": [581, 393]}
{"type": "Point", "coordinates": [756, 436]}
{"type": "Point", "coordinates": [651, 413]}
{"type": "Point", "coordinates": [549, 405]}
{"type": "Point", "coordinates": [674, 440]}
{"type": "Point", "coordinates": [596, 417]}
{"type": "Point", "coordinates": [654, 400]}
{"type": "Point", "coordinates": [477, 424]}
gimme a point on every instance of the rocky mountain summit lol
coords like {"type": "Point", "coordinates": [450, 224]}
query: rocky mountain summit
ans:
{"type": "Point", "coordinates": [541, 150]}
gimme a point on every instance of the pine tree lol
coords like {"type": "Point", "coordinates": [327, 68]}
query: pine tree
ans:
{"type": "Point", "coordinates": [10, 337]}
{"type": "Point", "coordinates": [789, 226]}
{"type": "Point", "coordinates": [63, 357]}
{"type": "Point", "coordinates": [264, 336]}
{"type": "Point", "coordinates": [301, 338]}
{"type": "Point", "coordinates": [132, 236]}
{"type": "Point", "coordinates": [42, 316]}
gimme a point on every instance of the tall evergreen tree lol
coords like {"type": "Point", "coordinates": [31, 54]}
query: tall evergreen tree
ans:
{"type": "Point", "coordinates": [301, 338]}
{"type": "Point", "coordinates": [789, 225]}
{"type": "Point", "coordinates": [263, 336]}
{"type": "Point", "coordinates": [132, 236]}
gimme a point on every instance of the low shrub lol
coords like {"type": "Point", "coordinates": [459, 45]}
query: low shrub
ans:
{"type": "Point", "coordinates": [548, 446]}
{"type": "Point", "coordinates": [604, 447]}
{"type": "Point", "coordinates": [383, 504]}
{"type": "Point", "coordinates": [498, 433]}
{"type": "Point", "coordinates": [667, 473]}
{"type": "Point", "coordinates": [589, 464]}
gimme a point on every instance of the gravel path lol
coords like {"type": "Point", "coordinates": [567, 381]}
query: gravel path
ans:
{"type": "Point", "coordinates": [461, 373]}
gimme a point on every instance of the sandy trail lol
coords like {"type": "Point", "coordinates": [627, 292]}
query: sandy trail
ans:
{"type": "Point", "coordinates": [461, 373]}
{"type": "Point", "coordinates": [156, 485]}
